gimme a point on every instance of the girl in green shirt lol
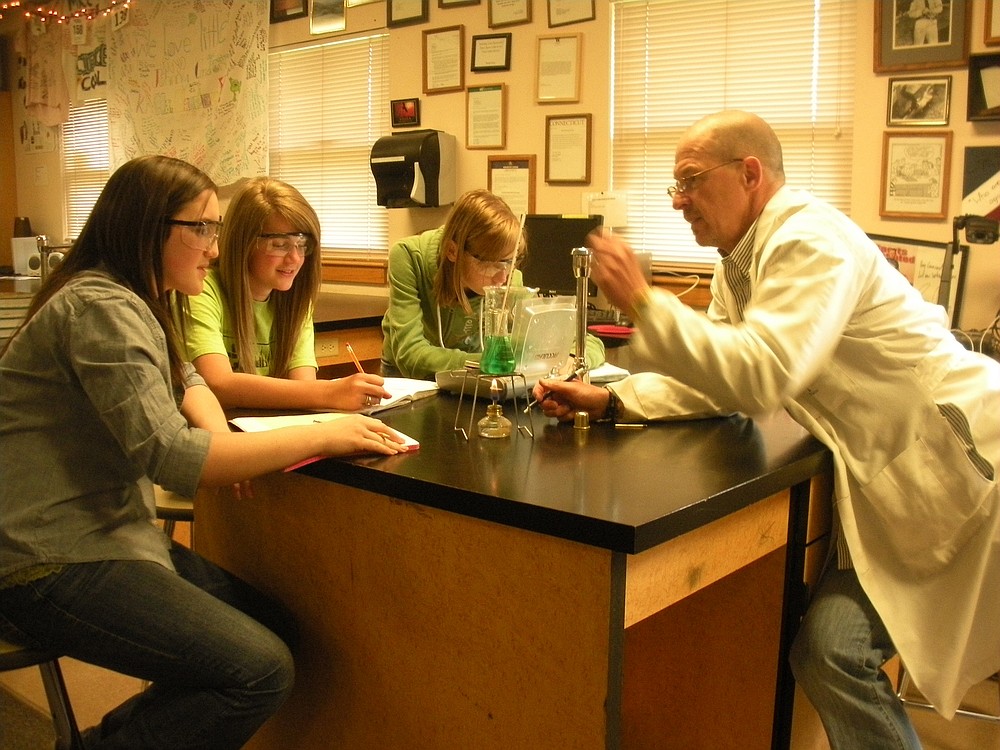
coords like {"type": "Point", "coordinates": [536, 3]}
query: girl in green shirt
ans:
{"type": "Point", "coordinates": [250, 333]}
{"type": "Point", "coordinates": [436, 283]}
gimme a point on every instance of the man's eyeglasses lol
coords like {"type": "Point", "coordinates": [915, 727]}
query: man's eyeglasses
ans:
{"type": "Point", "coordinates": [279, 244]}
{"type": "Point", "coordinates": [198, 235]}
{"type": "Point", "coordinates": [686, 184]}
{"type": "Point", "coordinates": [493, 266]}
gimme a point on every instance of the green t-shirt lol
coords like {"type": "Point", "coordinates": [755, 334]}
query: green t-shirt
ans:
{"type": "Point", "coordinates": [209, 330]}
{"type": "Point", "coordinates": [418, 337]}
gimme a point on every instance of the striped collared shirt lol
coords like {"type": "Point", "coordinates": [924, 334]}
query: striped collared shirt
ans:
{"type": "Point", "coordinates": [736, 271]}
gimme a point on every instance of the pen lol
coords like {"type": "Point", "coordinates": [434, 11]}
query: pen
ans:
{"type": "Point", "coordinates": [572, 376]}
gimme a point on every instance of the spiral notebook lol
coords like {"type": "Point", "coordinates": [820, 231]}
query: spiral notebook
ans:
{"type": "Point", "coordinates": [261, 424]}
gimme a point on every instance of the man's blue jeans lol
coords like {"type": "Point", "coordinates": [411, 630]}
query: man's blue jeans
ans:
{"type": "Point", "coordinates": [837, 658]}
{"type": "Point", "coordinates": [217, 674]}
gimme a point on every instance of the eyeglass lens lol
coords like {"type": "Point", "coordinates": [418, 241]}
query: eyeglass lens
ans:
{"type": "Point", "coordinates": [198, 235]}
{"type": "Point", "coordinates": [685, 184]}
{"type": "Point", "coordinates": [282, 244]}
{"type": "Point", "coordinates": [494, 266]}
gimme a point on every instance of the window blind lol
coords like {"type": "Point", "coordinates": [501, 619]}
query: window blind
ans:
{"type": "Point", "coordinates": [328, 104]}
{"type": "Point", "coordinates": [789, 61]}
{"type": "Point", "coordinates": [86, 162]}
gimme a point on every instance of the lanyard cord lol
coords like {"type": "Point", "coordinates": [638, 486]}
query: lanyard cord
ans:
{"type": "Point", "coordinates": [482, 338]}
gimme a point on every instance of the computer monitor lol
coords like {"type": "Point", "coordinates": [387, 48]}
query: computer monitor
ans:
{"type": "Point", "coordinates": [548, 263]}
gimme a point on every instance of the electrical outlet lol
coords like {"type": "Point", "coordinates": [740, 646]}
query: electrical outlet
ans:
{"type": "Point", "coordinates": [327, 347]}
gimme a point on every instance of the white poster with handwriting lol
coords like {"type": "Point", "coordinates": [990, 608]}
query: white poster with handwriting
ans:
{"type": "Point", "coordinates": [191, 83]}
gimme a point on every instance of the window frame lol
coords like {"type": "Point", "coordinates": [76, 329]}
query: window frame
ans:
{"type": "Point", "coordinates": [315, 113]}
{"type": "Point", "coordinates": [655, 46]}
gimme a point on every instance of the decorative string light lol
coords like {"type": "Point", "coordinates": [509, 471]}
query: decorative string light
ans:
{"type": "Point", "coordinates": [51, 14]}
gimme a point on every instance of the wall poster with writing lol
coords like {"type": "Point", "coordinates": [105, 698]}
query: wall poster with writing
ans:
{"type": "Point", "coordinates": [928, 268]}
{"type": "Point", "coordinates": [184, 82]}
{"type": "Point", "coordinates": [981, 182]}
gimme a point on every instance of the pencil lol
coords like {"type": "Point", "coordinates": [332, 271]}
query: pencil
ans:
{"type": "Point", "coordinates": [357, 363]}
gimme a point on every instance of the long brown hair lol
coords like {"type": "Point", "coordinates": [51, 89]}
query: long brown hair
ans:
{"type": "Point", "coordinates": [256, 201]}
{"type": "Point", "coordinates": [124, 237]}
{"type": "Point", "coordinates": [483, 223]}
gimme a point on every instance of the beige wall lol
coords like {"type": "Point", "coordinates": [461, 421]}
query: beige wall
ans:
{"type": "Point", "coordinates": [38, 180]}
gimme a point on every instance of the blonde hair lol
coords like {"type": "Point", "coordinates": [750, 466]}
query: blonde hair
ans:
{"type": "Point", "coordinates": [479, 222]}
{"type": "Point", "coordinates": [255, 202]}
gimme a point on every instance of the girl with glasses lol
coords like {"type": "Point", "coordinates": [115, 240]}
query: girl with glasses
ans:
{"type": "Point", "coordinates": [96, 405]}
{"type": "Point", "coordinates": [436, 282]}
{"type": "Point", "coordinates": [250, 334]}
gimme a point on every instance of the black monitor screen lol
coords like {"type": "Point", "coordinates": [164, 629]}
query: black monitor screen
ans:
{"type": "Point", "coordinates": [548, 263]}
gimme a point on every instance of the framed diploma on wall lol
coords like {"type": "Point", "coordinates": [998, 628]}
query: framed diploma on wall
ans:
{"type": "Point", "coordinates": [442, 59]}
{"type": "Point", "coordinates": [567, 149]}
{"type": "Point", "coordinates": [513, 179]}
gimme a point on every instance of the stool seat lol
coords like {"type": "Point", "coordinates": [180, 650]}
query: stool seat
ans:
{"type": "Point", "coordinates": [13, 656]}
{"type": "Point", "coordinates": [171, 508]}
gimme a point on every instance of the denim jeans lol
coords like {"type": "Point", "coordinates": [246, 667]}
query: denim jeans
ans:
{"type": "Point", "coordinates": [206, 641]}
{"type": "Point", "coordinates": [837, 658]}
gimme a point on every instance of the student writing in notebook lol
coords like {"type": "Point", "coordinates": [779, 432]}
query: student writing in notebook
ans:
{"type": "Point", "coordinates": [436, 281]}
{"type": "Point", "coordinates": [250, 333]}
{"type": "Point", "coordinates": [96, 404]}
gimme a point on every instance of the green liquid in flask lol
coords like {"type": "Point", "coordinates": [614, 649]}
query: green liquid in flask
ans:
{"type": "Point", "coordinates": [498, 357]}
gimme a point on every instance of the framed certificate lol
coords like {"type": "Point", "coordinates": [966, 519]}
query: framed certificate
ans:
{"type": "Point", "coordinates": [509, 12]}
{"type": "Point", "coordinates": [486, 117]}
{"type": "Point", "coordinates": [567, 149]}
{"type": "Point", "coordinates": [513, 179]}
{"type": "Point", "coordinates": [442, 58]}
{"type": "Point", "coordinates": [558, 74]}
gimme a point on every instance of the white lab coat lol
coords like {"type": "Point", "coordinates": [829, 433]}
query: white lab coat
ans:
{"type": "Point", "coordinates": [839, 338]}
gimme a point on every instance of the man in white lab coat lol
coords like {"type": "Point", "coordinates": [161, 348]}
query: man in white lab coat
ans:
{"type": "Point", "coordinates": [807, 315]}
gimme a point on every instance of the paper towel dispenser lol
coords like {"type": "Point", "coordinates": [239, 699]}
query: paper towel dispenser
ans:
{"type": "Point", "coordinates": [416, 168]}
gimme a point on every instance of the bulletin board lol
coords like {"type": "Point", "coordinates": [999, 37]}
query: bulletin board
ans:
{"type": "Point", "coordinates": [182, 82]}
{"type": "Point", "coordinates": [923, 265]}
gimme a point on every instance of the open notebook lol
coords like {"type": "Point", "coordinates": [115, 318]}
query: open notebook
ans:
{"type": "Point", "coordinates": [404, 391]}
{"type": "Point", "coordinates": [261, 424]}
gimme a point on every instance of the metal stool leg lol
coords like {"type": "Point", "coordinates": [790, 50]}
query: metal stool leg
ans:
{"type": "Point", "coordinates": [67, 733]}
{"type": "Point", "coordinates": [904, 683]}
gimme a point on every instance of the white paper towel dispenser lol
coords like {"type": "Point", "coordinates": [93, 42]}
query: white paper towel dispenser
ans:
{"type": "Point", "coordinates": [415, 168]}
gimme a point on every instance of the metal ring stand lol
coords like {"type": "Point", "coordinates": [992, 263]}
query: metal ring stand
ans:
{"type": "Point", "coordinates": [472, 370]}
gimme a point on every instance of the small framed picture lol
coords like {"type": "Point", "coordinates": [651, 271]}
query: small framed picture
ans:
{"type": "Point", "coordinates": [567, 149]}
{"type": "Point", "coordinates": [915, 170]}
{"type": "Point", "coordinates": [984, 87]}
{"type": "Point", "coordinates": [405, 113]}
{"type": "Point", "coordinates": [443, 53]}
{"type": "Point", "coordinates": [936, 38]}
{"type": "Point", "coordinates": [288, 10]}
{"type": "Point", "coordinates": [486, 119]}
{"type": "Point", "coordinates": [456, 3]}
{"type": "Point", "coordinates": [918, 101]}
{"type": "Point", "coordinates": [557, 76]}
{"type": "Point", "coordinates": [512, 177]}
{"type": "Point", "coordinates": [490, 52]}
{"type": "Point", "coordinates": [565, 12]}
{"type": "Point", "coordinates": [508, 12]}
{"type": "Point", "coordinates": [405, 12]}
{"type": "Point", "coordinates": [991, 34]}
